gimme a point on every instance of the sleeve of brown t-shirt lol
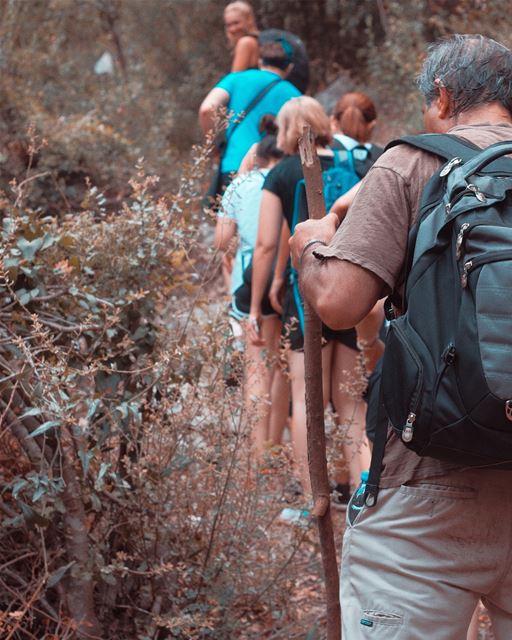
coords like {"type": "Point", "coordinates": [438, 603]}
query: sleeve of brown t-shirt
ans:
{"type": "Point", "coordinates": [375, 231]}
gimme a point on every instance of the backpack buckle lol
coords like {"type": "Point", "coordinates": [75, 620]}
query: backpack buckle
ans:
{"type": "Point", "coordinates": [389, 310]}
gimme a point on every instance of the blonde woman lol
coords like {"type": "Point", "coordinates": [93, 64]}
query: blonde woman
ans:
{"type": "Point", "coordinates": [242, 35]}
{"type": "Point", "coordinates": [340, 352]}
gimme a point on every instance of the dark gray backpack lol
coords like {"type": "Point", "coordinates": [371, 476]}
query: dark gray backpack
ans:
{"type": "Point", "coordinates": [446, 385]}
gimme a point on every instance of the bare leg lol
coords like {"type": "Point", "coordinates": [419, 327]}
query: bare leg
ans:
{"type": "Point", "coordinates": [280, 395]}
{"type": "Point", "coordinates": [298, 421]}
{"type": "Point", "coordinates": [473, 627]}
{"type": "Point", "coordinates": [351, 409]}
{"type": "Point", "coordinates": [259, 367]}
{"type": "Point", "coordinates": [368, 335]}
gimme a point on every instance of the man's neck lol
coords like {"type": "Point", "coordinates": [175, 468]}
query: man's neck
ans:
{"type": "Point", "coordinates": [492, 113]}
{"type": "Point", "coordinates": [275, 70]}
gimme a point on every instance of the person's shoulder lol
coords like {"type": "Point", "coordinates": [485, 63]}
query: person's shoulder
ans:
{"type": "Point", "coordinates": [247, 43]}
{"type": "Point", "coordinates": [405, 160]}
{"type": "Point", "coordinates": [226, 81]}
{"type": "Point", "coordinates": [281, 170]}
{"type": "Point", "coordinates": [290, 89]}
{"type": "Point", "coordinates": [484, 135]}
{"type": "Point", "coordinates": [236, 77]}
{"type": "Point", "coordinates": [286, 165]}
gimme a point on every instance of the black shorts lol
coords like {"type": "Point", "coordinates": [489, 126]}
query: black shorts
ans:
{"type": "Point", "coordinates": [293, 334]}
{"type": "Point", "coordinates": [241, 303]}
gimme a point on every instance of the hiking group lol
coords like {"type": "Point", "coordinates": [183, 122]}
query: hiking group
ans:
{"type": "Point", "coordinates": [427, 223]}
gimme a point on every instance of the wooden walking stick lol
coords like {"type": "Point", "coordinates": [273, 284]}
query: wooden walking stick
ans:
{"type": "Point", "coordinates": [317, 459]}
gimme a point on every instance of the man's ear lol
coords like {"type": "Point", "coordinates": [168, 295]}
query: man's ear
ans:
{"type": "Point", "coordinates": [444, 103]}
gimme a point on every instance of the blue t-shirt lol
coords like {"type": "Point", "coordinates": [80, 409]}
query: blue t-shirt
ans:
{"type": "Point", "coordinates": [242, 87]}
{"type": "Point", "coordinates": [241, 203]}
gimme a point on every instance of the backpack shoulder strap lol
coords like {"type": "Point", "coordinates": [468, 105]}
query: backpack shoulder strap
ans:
{"type": "Point", "coordinates": [445, 145]}
{"type": "Point", "coordinates": [253, 103]}
{"type": "Point", "coordinates": [299, 192]}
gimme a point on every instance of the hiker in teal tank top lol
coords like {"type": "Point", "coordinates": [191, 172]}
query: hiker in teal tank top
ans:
{"type": "Point", "coordinates": [247, 96]}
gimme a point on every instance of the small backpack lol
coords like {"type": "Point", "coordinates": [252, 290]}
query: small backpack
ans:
{"type": "Point", "coordinates": [446, 385]}
{"type": "Point", "coordinates": [337, 180]}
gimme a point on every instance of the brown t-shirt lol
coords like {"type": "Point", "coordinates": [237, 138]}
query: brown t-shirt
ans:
{"type": "Point", "coordinates": [374, 236]}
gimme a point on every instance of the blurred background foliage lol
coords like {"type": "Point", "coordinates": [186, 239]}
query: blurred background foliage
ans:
{"type": "Point", "coordinates": [166, 54]}
{"type": "Point", "coordinates": [127, 506]}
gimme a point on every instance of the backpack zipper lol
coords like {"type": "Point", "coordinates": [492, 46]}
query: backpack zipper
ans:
{"type": "Point", "coordinates": [408, 428]}
{"type": "Point", "coordinates": [460, 239]}
{"type": "Point", "coordinates": [479, 195]}
{"type": "Point", "coordinates": [488, 258]}
{"type": "Point", "coordinates": [470, 188]}
{"type": "Point", "coordinates": [447, 168]}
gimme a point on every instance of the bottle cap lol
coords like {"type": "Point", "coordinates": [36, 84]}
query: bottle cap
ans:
{"type": "Point", "coordinates": [364, 476]}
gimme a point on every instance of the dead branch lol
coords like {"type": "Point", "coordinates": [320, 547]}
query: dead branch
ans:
{"type": "Point", "coordinates": [317, 458]}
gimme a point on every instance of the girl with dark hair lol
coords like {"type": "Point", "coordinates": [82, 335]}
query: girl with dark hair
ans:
{"type": "Point", "coordinates": [265, 388]}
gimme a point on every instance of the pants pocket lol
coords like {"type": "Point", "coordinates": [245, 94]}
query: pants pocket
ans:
{"type": "Point", "coordinates": [438, 491]}
{"type": "Point", "coordinates": [377, 617]}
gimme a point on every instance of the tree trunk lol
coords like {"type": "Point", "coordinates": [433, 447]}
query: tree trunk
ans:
{"type": "Point", "coordinates": [80, 584]}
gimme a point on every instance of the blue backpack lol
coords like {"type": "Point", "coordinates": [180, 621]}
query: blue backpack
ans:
{"type": "Point", "coordinates": [339, 179]}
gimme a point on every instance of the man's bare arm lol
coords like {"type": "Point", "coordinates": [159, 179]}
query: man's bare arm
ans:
{"type": "Point", "coordinates": [342, 293]}
{"type": "Point", "coordinates": [211, 104]}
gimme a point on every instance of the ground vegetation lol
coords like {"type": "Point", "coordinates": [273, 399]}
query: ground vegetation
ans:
{"type": "Point", "coordinates": [129, 507]}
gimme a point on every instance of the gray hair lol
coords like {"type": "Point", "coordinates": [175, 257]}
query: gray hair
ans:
{"type": "Point", "coordinates": [474, 69]}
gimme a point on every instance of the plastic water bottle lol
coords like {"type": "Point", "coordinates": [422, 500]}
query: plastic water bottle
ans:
{"type": "Point", "coordinates": [357, 501]}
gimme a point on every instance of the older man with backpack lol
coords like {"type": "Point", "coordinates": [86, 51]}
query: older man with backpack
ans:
{"type": "Point", "coordinates": [431, 532]}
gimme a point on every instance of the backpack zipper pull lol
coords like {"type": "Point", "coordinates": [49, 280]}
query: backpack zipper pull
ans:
{"type": "Point", "coordinates": [409, 427]}
{"type": "Point", "coordinates": [453, 163]}
{"type": "Point", "coordinates": [465, 273]}
{"type": "Point", "coordinates": [479, 195]}
{"type": "Point", "coordinates": [460, 239]}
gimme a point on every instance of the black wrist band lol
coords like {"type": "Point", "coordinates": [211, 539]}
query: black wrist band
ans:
{"type": "Point", "coordinates": [308, 244]}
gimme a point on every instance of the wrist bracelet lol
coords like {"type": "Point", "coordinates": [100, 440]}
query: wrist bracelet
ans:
{"type": "Point", "coordinates": [308, 244]}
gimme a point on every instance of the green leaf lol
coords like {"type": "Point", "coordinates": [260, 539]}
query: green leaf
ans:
{"type": "Point", "coordinates": [48, 241]}
{"type": "Point", "coordinates": [85, 458]}
{"type": "Point", "coordinates": [103, 470]}
{"type": "Point", "coordinates": [29, 248]}
{"type": "Point", "coordinates": [39, 493]}
{"type": "Point", "coordinates": [92, 408]}
{"type": "Point", "coordinates": [43, 428]}
{"type": "Point", "coordinates": [33, 411]}
{"type": "Point", "coordinates": [18, 486]}
{"type": "Point", "coordinates": [25, 296]}
{"type": "Point", "coordinates": [58, 574]}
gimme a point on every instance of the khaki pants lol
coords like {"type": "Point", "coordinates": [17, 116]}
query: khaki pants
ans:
{"type": "Point", "coordinates": [415, 566]}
